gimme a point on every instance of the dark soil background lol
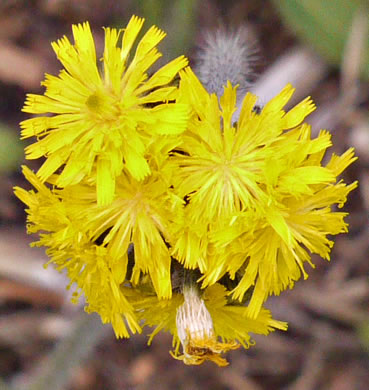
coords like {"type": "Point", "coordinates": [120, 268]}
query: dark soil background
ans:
{"type": "Point", "coordinates": [327, 344]}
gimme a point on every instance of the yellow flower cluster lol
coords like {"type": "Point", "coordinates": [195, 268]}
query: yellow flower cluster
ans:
{"type": "Point", "coordinates": [163, 210]}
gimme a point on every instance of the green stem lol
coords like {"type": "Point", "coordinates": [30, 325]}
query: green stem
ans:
{"type": "Point", "coordinates": [56, 372]}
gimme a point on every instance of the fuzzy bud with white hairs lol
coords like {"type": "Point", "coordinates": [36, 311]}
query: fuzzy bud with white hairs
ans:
{"type": "Point", "coordinates": [226, 55]}
{"type": "Point", "coordinates": [196, 332]}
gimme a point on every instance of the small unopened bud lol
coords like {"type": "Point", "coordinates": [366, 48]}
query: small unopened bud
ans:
{"type": "Point", "coordinates": [193, 318]}
{"type": "Point", "coordinates": [196, 331]}
{"type": "Point", "coordinates": [226, 56]}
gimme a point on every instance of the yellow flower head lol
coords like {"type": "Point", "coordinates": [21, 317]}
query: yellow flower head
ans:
{"type": "Point", "coordinates": [104, 118]}
{"type": "Point", "coordinates": [258, 190]}
{"type": "Point", "coordinates": [222, 163]}
{"type": "Point", "coordinates": [167, 210]}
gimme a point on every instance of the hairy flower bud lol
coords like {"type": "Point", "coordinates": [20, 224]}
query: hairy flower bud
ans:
{"type": "Point", "coordinates": [196, 331]}
{"type": "Point", "coordinates": [226, 56]}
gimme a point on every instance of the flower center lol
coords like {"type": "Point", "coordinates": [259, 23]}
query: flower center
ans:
{"type": "Point", "coordinates": [102, 107]}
